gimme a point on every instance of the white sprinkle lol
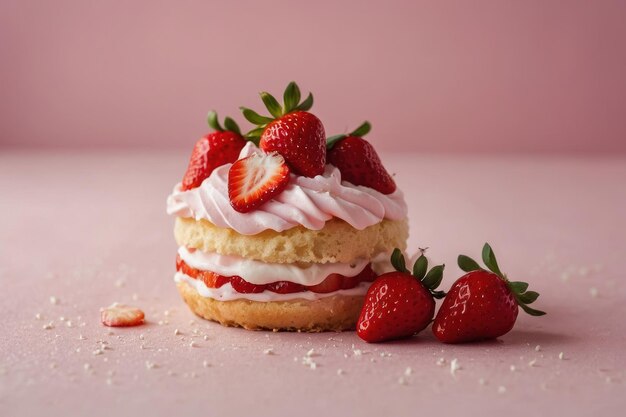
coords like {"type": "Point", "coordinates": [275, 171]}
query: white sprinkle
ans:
{"type": "Point", "coordinates": [313, 365]}
{"type": "Point", "coordinates": [177, 332]}
{"type": "Point", "coordinates": [532, 363]}
{"type": "Point", "coordinates": [61, 318]}
{"type": "Point", "coordinates": [193, 344]}
{"type": "Point", "coordinates": [537, 348]}
{"type": "Point", "coordinates": [77, 350]}
{"type": "Point", "coordinates": [87, 367]}
{"type": "Point", "coordinates": [594, 292]}
{"type": "Point", "coordinates": [440, 362]}
{"type": "Point", "coordinates": [512, 368]}
{"type": "Point", "coordinates": [454, 366]}
{"type": "Point", "coordinates": [340, 371]}
{"type": "Point", "coordinates": [120, 283]}
{"type": "Point", "coordinates": [269, 351]}
{"type": "Point", "coordinates": [501, 389]}
{"type": "Point", "coordinates": [357, 352]}
{"type": "Point", "coordinates": [69, 323]}
{"type": "Point", "coordinates": [205, 337]}
{"type": "Point", "coordinates": [311, 353]}
{"type": "Point", "coordinates": [81, 337]}
{"type": "Point", "coordinates": [482, 381]}
{"type": "Point", "coordinates": [141, 336]}
{"type": "Point", "coordinates": [98, 351]}
{"type": "Point", "coordinates": [166, 313]}
{"type": "Point", "coordinates": [54, 300]}
{"type": "Point", "coordinates": [151, 365]}
{"type": "Point", "coordinates": [408, 371]}
{"type": "Point", "coordinates": [402, 380]}
{"type": "Point", "coordinates": [561, 356]}
{"type": "Point", "coordinates": [206, 363]}
{"type": "Point", "coordinates": [160, 322]}
{"type": "Point", "coordinates": [39, 316]}
{"type": "Point", "coordinates": [142, 346]}
{"type": "Point", "coordinates": [48, 326]}
{"type": "Point", "coordinates": [109, 381]}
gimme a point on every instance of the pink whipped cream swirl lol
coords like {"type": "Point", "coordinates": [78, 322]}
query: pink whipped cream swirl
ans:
{"type": "Point", "coordinates": [309, 202]}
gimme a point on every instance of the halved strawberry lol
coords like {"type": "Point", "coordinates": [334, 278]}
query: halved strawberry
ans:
{"type": "Point", "coordinates": [255, 180]}
{"type": "Point", "coordinates": [213, 150]}
{"type": "Point", "coordinates": [120, 315]}
{"type": "Point", "coordinates": [211, 279]}
{"type": "Point", "coordinates": [367, 275]}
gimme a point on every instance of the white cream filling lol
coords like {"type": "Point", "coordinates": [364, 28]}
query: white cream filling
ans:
{"type": "Point", "coordinates": [260, 273]}
{"type": "Point", "coordinates": [227, 293]}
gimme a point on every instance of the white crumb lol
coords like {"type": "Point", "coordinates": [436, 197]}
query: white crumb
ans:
{"type": "Point", "coordinates": [340, 371]}
{"type": "Point", "coordinates": [69, 323]}
{"type": "Point", "coordinates": [54, 300]}
{"type": "Point", "coordinates": [269, 351]}
{"type": "Point", "coordinates": [151, 365]}
{"type": "Point", "coordinates": [87, 367]}
{"type": "Point", "coordinates": [441, 362]}
{"type": "Point", "coordinates": [206, 363]}
{"type": "Point", "coordinates": [81, 337]}
{"type": "Point", "coordinates": [205, 337]}
{"type": "Point", "coordinates": [532, 363]}
{"type": "Point", "coordinates": [501, 389]}
{"type": "Point", "coordinates": [193, 344]}
{"type": "Point", "coordinates": [593, 291]}
{"type": "Point", "coordinates": [48, 326]}
{"type": "Point", "coordinates": [311, 353]}
{"type": "Point", "coordinates": [561, 356]}
{"type": "Point", "coordinates": [39, 316]}
{"type": "Point", "coordinates": [357, 352]}
{"type": "Point", "coordinates": [177, 332]}
{"type": "Point", "coordinates": [482, 381]}
{"type": "Point", "coordinates": [512, 368]}
{"type": "Point", "coordinates": [537, 348]}
{"type": "Point", "coordinates": [408, 371]}
{"type": "Point", "coordinates": [454, 366]}
{"type": "Point", "coordinates": [402, 380]}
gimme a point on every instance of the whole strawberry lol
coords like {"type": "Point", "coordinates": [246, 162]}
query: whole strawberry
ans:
{"type": "Point", "coordinates": [400, 304]}
{"type": "Point", "coordinates": [482, 304]}
{"type": "Point", "coordinates": [213, 150]}
{"type": "Point", "coordinates": [292, 131]}
{"type": "Point", "coordinates": [358, 161]}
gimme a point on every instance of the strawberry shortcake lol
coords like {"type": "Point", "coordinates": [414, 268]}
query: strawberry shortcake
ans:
{"type": "Point", "coordinates": [283, 228]}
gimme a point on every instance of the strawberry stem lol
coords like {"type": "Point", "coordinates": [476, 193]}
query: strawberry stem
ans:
{"type": "Point", "coordinates": [360, 131]}
{"type": "Point", "coordinates": [430, 279]}
{"type": "Point", "coordinates": [517, 288]}
{"type": "Point", "coordinates": [229, 124]}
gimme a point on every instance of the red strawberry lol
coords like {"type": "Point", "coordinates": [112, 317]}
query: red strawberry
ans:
{"type": "Point", "coordinates": [242, 286]}
{"type": "Point", "coordinates": [120, 315]}
{"type": "Point", "coordinates": [293, 132]}
{"type": "Point", "coordinates": [211, 279]}
{"type": "Point", "coordinates": [330, 284]}
{"type": "Point", "coordinates": [358, 161]}
{"type": "Point", "coordinates": [285, 287]}
{"type": "Point", "coordinates": [481, 304]}
{"type": "Point", "coordinates": [399, 304]}
{"type": "Point", "coordinates": [255, 180]}
{"type": "Point", "coordinates": [213, 150]}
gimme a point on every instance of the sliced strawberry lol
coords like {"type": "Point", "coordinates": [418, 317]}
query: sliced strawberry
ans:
{"type": "Point", "coordinates": [330, 284]}
{"type": "Point", "coordinates": [213, 150]}
{"type": "Point", "coordinates": [358, 161]}
{"type": "Point", "coordinates": [255, 180]}
{"type": "Point", "coordinates": [285, 287]}
{"type": "Point", "coordinates": [120, 315]}
{"type": "Point", "coordinates": [367, 275]}
{"type": "Point", "coordinates": [245, 287]}
{"type": "Point", "coordinates": [212, 280]}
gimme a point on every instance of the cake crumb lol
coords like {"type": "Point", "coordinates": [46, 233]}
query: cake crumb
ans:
{"type": "Point", "coordinates": [81, 337]}
{"type": "Point", "coordinates": [512, 368]}
{"type": "Point", "coordinates": [206, 363]}
{"type": "Point", "coordinates": [39, 316]}
{"type": "Point", "coordinates": [54, 300]}
{"type": "Point", "coordinates": [151, 365]}
{"type": "Point", "coordinates": [48, 326]}
{"type": "Point", "coordinates": [205, 337]}
{"type": "Point", "coordinates": [269, 351]}
{"type": "Point", "coordinates": [532, 363]}
{"type": "Point", "coordinates": [69, 323]}
{"type": "Point", "coordinates": [482, 381]}
{"type": "Point", "coordinates": [501, 389]}
{"type": "Point", "coordinates": [402, 381]}
{"type": "Point", "coordinates": [357, 352]}
{"type": "Point", "coordinates": [441, 361]}
{"type": "Point", "coordinates": [177, 332]}
{"type": "Point", "coordinates": [141, 336]}
{"type": "Point", "coordinates": [340, 371]}
{"type": "Point", "coordinates": [408, 371]}
{"type": "Point", "coordinates": [454, 366]}
{"type": "Point", "coordinates": [193, 344]}
{"type": "Point", "coordinates": [561, 356]}
{"type": "Point", "coordinates": [537, 348]}
{"type": "Point", "coordinates": [311, 353]}
{"type": "Point", "coordinates": [87, 367]}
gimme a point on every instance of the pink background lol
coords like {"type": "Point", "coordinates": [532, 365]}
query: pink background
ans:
{"type": "Point", "coordinates": [527, 76]}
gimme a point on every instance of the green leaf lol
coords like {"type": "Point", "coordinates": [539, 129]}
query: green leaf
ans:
{"type": "Point", "coordinates": [231, 125]}
{"type": "Point", "coordinates": [528, 297]}
{"type": "Point", "coordinates": [518, 286]}
{"type": "Point", "coordinates": [362, 130]}
{"type": "Point", "coordinates": [489, 258]}
{"type": "Point", "coordinates": [272, 104]}
{"type": "Point", "coordinates": [291, 96]}
{"type": "Point", "coordinates": [420, 267]}
{"type": "Point", "coordinates": [306, 104]}
{"type": "Point", "coordinates": [330, 142]}
{"type": "Point", "coordinates": [433, 277]}
{"type": "Point", "coordinates": [255, 133]}
{"type": "Point", "coordinates": [438, 294]}
{"type": "Point", "coordinates": [213, 121]}
{"type": "Point", "coordinates": [397, 260]}
{"type": "Point", "coordinates": [532, 311]}
{"type": "Point", "coordinates": [255, 118]}
{"type": "Point", "coordinates": [467, 264]}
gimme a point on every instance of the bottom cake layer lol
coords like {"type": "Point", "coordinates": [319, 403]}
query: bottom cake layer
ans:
{"type": "Point", "coordinates": [331, 313]}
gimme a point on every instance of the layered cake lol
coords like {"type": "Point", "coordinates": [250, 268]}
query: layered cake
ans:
{"type": "Point", "coordinates": [283, 228]}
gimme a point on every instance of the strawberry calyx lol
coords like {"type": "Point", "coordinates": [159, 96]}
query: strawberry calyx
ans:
{"type": "Point", "coordinates": [517, 288]}
{"type": "Point", "coordinates": [229, 124]}
{"type": "Point", "coordinates": [430, 279]}
{"type": "Point", "coordinates": [291, 103]}
{"type": "Point", "coordinates": [359, 132]}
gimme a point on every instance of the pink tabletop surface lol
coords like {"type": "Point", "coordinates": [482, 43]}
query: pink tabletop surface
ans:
{"type": "Point", "coordinates": [90, 229]}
